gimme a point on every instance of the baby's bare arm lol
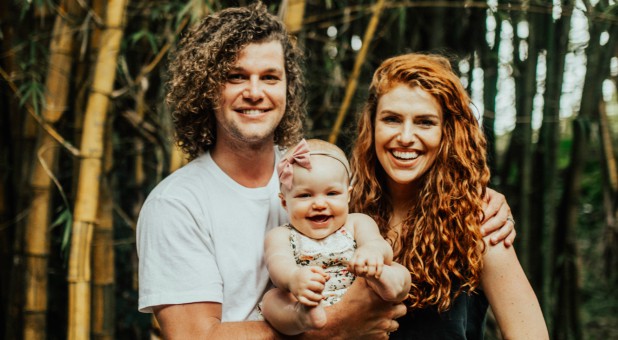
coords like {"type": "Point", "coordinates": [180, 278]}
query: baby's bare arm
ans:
{"type": "Point", "coordinates": [372, 252]}
{"type": "Point", "coordinates": [306, 283]}
{"type": "Point", "coordinates": [394, 283]}
{"type": "Point", "coordinates": [373, 260]}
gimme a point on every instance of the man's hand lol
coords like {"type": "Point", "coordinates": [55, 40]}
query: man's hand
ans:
{"type": "Point", "coordinates": [498, 222]}
{"type": "Point", "coordinates": [361, 314]}
{"type": "Point", "coordinates": [307, 285]}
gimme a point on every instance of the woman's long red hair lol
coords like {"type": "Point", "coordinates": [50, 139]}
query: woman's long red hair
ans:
{"type": "Point", "coordinates": [440, 242]}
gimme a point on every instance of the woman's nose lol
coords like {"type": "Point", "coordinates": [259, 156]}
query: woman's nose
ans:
{"type": "Point", "coordinates": [407, 134]}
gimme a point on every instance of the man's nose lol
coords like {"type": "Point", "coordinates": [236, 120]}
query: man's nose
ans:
{"type": "Point", "coordinates": [254, 89]}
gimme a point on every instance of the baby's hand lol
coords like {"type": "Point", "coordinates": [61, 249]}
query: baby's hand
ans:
{"type": "Point", "coordinates": [367, 262]}
{"type": "Point", "coordinates": [307, 285]}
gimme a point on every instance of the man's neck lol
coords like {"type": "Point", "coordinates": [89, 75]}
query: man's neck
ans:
{"type": "Point", "coordinates": [249, 165]}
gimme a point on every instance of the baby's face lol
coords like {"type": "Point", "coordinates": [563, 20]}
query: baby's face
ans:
{"type": "Point", "coordinates": [317, 203]}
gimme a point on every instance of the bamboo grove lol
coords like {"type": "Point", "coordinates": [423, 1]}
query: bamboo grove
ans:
{"type": "Point", "coordinates": [86, 134]}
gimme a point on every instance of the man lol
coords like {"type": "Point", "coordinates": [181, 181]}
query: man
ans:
{"type": "Point", "coordinates": [237, 94]}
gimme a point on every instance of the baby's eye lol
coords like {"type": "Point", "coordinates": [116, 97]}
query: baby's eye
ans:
{"type": "Point", "coordinates": [334, 193]}
{"type": "Point", "coordinates": [303, 195]}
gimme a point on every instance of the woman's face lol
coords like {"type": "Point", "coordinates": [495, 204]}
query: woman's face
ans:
{"type": "Point", "coordinates": [408, 131]}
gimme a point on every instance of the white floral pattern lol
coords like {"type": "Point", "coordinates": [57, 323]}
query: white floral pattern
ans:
{"type": "Point", "coordinates": [331, 253]}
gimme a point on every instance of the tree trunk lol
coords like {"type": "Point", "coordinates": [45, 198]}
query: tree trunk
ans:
{"type": "Point", "coordinates": [567, 319]}
{"type": "Point", "coordinates": [533, 234]}
{"type": "Point", "coordinates": [610, 201]}
{"type": "Point", "coordinates": [86, 203]}
{"type": "Point", "coordinates": [545, 198]}
{"type": "Point", "coordinates": [525, 83]}
{"type": "Point", "coordinates": [489, 63]}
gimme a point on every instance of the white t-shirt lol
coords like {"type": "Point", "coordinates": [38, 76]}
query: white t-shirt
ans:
{"type": "Point", "coordinates": [200, 237]}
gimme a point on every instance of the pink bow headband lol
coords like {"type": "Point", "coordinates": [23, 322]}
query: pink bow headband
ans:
{"type": "Point", "coordinates": [300, 156]}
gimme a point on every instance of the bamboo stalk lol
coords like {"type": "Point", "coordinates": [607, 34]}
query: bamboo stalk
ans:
{"type": "Point", "coordinates": [36, 246]}
{"type": "Point", "coordinates": [177, 159]}
{"type": "Point", "coordinates": [293, 12]}
{"type": "Point", "coordinates": [36, 234]}
{"type": "Point", "coordinates": [103, 302]}
{"type": "Point", "coordinates": [86, 203]}
{"type": "Point", "coordinates": [353, 81]}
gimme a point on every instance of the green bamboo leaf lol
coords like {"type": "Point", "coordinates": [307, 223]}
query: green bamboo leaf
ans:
{"type": "Point", "coordinates": [65, 219]}
{"type": "Point", "coordinates": [137, 36]}
{"type": "Point", "coordinates": [152, 39]}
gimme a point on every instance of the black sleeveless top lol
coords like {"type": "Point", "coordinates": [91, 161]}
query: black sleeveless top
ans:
{"type": "Point", "coordinates": [464, 320]}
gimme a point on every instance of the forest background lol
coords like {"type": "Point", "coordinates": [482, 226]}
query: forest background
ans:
{"type": "Point", "coordinates": [85, 135]}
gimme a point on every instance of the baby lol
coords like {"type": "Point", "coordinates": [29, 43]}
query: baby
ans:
{"type": "Point", "coordinates": [319, 253]}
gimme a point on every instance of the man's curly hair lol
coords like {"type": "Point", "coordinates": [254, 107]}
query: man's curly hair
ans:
{"type": "Point", "coordinates": [199, 68]}
{"type": "Point", "coordinates": [440, 241]}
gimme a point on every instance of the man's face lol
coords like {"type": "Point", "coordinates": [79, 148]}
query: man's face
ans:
{"type": "Point", "coordinates": [253, 99]}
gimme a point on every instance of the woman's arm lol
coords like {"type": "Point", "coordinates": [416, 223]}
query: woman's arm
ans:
{"type": "Point", "coordinates": [510, 295]}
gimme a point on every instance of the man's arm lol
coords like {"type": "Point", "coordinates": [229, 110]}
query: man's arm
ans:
{"type": "Point", "coordinates": [202, 320]}
{"type": "Point", "coordinates": [361, 314]}
{"type": "Point", "coordinates": [497, 223]}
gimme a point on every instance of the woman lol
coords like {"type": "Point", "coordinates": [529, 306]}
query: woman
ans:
{"type": "Point", "coordinates": [421, 173]}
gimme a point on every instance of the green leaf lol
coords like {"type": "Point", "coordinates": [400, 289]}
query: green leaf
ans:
{"type": "Point", "coordinates": [65, 218]}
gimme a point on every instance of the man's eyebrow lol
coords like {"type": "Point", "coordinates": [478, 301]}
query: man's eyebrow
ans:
{"type": "Point", "coordinates": [275, 70]}
{"type": "Point", "coordinates": [268, 70]}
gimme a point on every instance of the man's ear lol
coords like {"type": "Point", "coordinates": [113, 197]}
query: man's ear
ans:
{"type": "Point", "coordinates": [283, 202]}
